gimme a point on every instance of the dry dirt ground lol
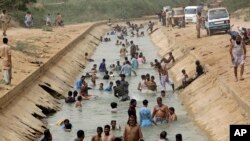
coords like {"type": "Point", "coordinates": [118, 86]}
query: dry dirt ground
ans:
{"type": "Point", "coordinates": [215, 98]}
{"type": "Point", "coordinates": [33, 47]}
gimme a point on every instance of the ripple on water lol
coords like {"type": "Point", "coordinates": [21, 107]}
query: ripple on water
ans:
{"type": "Point", "coordinates": [96, 112]}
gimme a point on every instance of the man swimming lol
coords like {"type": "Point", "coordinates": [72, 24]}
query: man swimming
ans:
{"type": "Point", "coordinates": [160, 112]}
{"type": "Point", "coordinates": [107, 136]}
{"type": "Point", "coordinates": [132, 131]}
{"type": "Point", "coordinates": [98, 137]}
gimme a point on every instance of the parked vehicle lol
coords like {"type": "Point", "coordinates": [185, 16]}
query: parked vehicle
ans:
{"type": "Point", "coordinates": [191, 14]}
{"type": "Point", "coordinates": [178, 17]}
{"type": "Point", "coordinates": [166, 8]}
{"type": "Point", "coordinates": [217, 19]}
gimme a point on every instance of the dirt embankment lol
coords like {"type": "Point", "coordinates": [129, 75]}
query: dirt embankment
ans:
{"type": "Point", "coordinates": [214, 100]}
{"type": "Point", "coordinates": [29, 101]}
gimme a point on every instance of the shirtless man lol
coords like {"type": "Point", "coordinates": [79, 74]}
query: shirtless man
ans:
{"type": "Point", "coordinates": [114, 127]}
{"type": "Point", "coordinates": [170, 58]}
{"type": "Point", "coordinates": [160, 112]}
{"type": "Point", "coordinates": [164, 78]}
{"type": "Point", "coordinates": [132, 131]}
{"type": "Point", "coordinates": [98, 137]}
{"type": "Point", "coordinates": [107, 136]}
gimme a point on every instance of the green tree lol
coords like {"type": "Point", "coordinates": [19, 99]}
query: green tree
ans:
{"type": "Point", "coordinates": [15, 4]}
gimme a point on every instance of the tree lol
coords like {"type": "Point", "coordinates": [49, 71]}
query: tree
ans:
{"type": "Point", "coordinates": [15, 4]}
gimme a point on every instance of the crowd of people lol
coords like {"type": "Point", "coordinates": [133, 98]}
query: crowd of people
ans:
{"type": "Point", "coordinates": [133, 59]}
{"type": "Point", "coordinates": [161, 113]}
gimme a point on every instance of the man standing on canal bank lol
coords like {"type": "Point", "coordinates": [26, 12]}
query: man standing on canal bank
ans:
{"type": "Point", "coordinates": [5, 54]}
{"type": "Point", "coordinates": [198, 25]}
{"type": "Point", "coordinates": [238, 56]}
{"type": "Point", "coordinates": [5, 20]}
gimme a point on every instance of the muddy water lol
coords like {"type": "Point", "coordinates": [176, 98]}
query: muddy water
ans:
{"type": "Point", "coordinates": [96, 112]}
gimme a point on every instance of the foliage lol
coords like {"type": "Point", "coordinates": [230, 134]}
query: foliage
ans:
{"type": "Point", "coordinates": [15, 4]}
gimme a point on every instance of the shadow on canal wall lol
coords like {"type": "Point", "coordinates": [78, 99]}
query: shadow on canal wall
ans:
{"type": "Point", "coordinates": [24, 107]}
{"type": "Point", "coordinates": [210, 102]}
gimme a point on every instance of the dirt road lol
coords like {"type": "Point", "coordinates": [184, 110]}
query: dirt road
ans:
{"type": "Point", "coordinates": [215, 98]}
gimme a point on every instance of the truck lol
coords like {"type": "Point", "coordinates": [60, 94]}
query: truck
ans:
{"type": "Point", "coordinates": [178, 17]}
{"type": "Point", "coordinates": [191, 14]}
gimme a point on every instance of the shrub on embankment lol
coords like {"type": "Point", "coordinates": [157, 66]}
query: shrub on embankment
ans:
{"type": "Point", "coordinates": [78, 11]}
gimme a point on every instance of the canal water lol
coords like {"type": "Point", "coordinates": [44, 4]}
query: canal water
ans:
{"type": "Point", "coordinates": [96, 112]}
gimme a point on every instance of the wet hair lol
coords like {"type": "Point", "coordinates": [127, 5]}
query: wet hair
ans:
{"type": "Point", "coordinates": [67, 126]}
{"type": "Point", "coordinates": [178, 137]}
{"type": "Point", "coordinates": [159, 98]}
{"type": "Point", "coordinates": [172, 109]}
{"type": "Point", "coordinates": [183, 71]}
{"type": "Point", "coordinates": [5, 40]}
{"type": "Point", "coordinates": [145, 102]}
{"type": "Point", "coordinates": [113, 121]}
{"type": "Point", "coordinates": [152, 77]}
{"type": "Point", "coordinates": [113, 105]}
{"type": "Point", "coordinates": [79, 98]}
{"type": "Point", "coordinates": [197, 62]}
{"type": "Point", "coordinates": [66, 121]}
{"type": "Point", "coordinates": [122, 75]}
{"type": "Point", "coordinates": [163, 135]}
{"type": "Point", "coordinates": [107, 126]}
{"type": "Point", "coordinates": [99, 128]}
{"type": "Point", "coordinates": [70, 93]}
{"type": "Point", "coordinates": [132, 101]}
{"type": "Point", "coordinates": [118, 139]}
{"type": "Point", "coordinates": [148, 75]}
{"type": "Point", "coordinates": [118, 82]}
{"type": "Point", "coordinates": [143, 76]}
{"type": "Point", "coordinates": [80, 134]}
{"type": "Point", "coordinates": [75, 93]}
{"type": "Point", "coordinates": [47, 134]}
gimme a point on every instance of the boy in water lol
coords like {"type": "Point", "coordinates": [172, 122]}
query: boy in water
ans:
{"type": "Point", "coordinates": [98, 137]}
{"type": "Point", "coordinates": [113, 107]}
{"type": "Point", "coordinates": [101, 86]}
{"type": "Point", "coordinates": [172, 116]}
{"type": "Point", "coordinates": [67, 125]}
{"type": "Point", "coordinates": [109, 88]}
{"type": "Point", "coordinates": [106, 76]}
{"type": "Point", "coordinates": [163, 93]}
{"type": "Point", "coordinates": [78, 102]}
{"type": "Point", "coordinates": [114, 127]}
